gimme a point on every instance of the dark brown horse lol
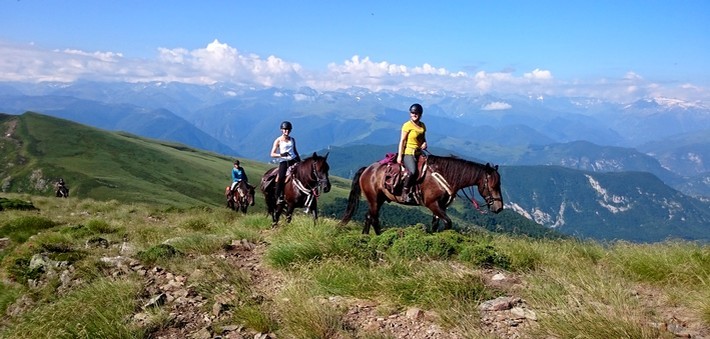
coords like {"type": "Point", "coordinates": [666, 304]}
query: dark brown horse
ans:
{"type": "Point", "coordinates": [442, 178]}
{"type": "Point", "coordinates": [241, 198]}
{"type": "Point", "coordinates": [304, 181]}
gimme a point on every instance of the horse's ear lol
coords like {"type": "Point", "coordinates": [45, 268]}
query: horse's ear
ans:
{"type": "Point", "coordinates": [326, 155]}
{"type": "Point", "coordinates": [315, 154]}
{"type": "Point", "coordinates": [496, 167]}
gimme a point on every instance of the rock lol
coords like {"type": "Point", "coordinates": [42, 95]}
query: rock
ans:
{"type": "Point", "coordinates": [4, 242]}
{"type": "Point", "coordinates": [157, 301]}
{"type": "Point", "coordinates": [414, 313]}
{"type": "Point", "coordinates": [498, 277]}
{"type": "Point", "coordinates": [497, 304]}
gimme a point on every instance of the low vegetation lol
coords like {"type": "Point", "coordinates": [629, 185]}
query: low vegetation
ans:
{"type": "Point", "coordinates": [56, 276]}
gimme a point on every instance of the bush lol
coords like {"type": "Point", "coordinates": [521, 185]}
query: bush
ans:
{"type": "Point", "coordinates": [417, 243]}
{"type": "Point", "coordinates": [157, 253]}
{"type": "Point", "coordinates": [484, 255]}
{"type": "Point", "coordinates": [22, 228]}
{"type": "Point", "coordinates": [99, 227]}
{"type": "Point", "coordinates": [20, 271]}
{"type": "Point", "coordinates": [15, 204]}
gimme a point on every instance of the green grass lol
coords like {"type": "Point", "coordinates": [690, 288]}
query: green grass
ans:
{"type": "Point", "coordinates": [576, 288]}
{"type": "Point", "coordinates": [82, 314]}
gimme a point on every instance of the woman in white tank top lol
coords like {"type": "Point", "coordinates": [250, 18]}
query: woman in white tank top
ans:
{"type": "Point", "coordinates": [285, 151]}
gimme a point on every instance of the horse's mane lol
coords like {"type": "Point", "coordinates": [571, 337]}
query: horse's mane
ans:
{"type": "Point", "coordinates": [456, 171]}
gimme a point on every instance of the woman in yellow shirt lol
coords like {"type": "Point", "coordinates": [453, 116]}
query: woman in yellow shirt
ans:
{"type": "Point", "coordinates": [411, 144]}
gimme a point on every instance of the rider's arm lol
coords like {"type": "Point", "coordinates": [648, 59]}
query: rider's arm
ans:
{"type": "Point", "coordinates": [402, 144]}
{"type": "Point", "coordinates": [275, 149]}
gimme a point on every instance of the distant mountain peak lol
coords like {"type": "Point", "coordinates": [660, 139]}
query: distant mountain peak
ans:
{"type": "Point", "coordinates": [664, 103]}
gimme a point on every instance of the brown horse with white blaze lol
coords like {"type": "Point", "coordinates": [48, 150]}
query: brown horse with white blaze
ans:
{"type": "Point", "coordinates": [441, 180]}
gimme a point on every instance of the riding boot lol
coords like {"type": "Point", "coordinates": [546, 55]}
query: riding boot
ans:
{"type": "Point", "coordinates": [407, 195]}
{"type": "Point", "coordinates": [280, 199]}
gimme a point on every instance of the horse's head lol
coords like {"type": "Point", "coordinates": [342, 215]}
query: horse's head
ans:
{"type": "Point", "coordinates": [319, 166]}
{"type": "Point", "coordinates": [489, 188]}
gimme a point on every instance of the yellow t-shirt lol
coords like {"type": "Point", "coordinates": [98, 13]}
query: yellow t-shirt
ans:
{"type": "Point", "coordinates": [415, 138]}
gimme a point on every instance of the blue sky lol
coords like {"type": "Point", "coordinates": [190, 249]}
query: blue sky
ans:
{"type": "Point", "coordinates": [619, 50]}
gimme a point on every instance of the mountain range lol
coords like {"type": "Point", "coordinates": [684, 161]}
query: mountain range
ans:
{"type": "Point", "coordinates": [664, 138]}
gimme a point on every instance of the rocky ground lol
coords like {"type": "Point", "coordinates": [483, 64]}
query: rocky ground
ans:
{"type": "Point", "coordinates": [505, 317]}
{"type": "Point", "coordinates": [192, 315]}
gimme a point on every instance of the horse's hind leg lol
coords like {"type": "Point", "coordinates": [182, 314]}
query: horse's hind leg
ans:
{"type": "Point", "coordinates": [366, 226]}
{"type": "Point", "coordinates": [374, 214]}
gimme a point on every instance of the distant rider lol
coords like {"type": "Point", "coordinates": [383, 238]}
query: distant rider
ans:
{"type": "Point", "coordinates": [284, 149]}
{"type": "Point", "coordinates": [62, 189]}
{"type": "Point", "coordinates": [238, 174]}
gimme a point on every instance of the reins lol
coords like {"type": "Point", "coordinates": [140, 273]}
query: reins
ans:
{"type": "Point", "coordinates": [310, 192]}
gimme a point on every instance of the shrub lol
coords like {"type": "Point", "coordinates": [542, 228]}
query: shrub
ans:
{"type": "Point", "coordinates": [20, 270]}
{"type": "Point", "coordinates": [15, 204]}
{"type": "Point", "coordinates": [99, 227]}
{"type": "Point", "coordinates": [417, 244]}
{"type": "Point", "coordinates": [157, 253]}
{"type": "Point", "coordinates": [22, 228]}
{"type": "Point", "coordinates": [484, 255]}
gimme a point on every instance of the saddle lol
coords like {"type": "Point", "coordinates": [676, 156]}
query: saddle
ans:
{"type": "Point", "coordinates": [237, 189]}
{"type": "Point", "coordinates": [270, 179]}
{"type": "Point", "coordinates": [396, 174]}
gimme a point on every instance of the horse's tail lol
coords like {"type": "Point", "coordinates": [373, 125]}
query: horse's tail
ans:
{"type": "Point", "coordinates": [354, 198]}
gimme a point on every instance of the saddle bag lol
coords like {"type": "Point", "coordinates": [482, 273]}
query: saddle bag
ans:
{"type": "Point", "coordinates": [394, 174]}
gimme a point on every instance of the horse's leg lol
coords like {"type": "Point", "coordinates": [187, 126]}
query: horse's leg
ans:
{"type": "Point", "coordinates": [278, 209]}
{"type": "Point", "coordinates": [289, 211]}
{"type": "Point", "coordinates": [434, 224]}
{"type": "Point", "coordinates": [314, 211]}
{"type": "Point", "coordinates": [375, 212]}
{"type": "Point", "coordinates": [439, 209]}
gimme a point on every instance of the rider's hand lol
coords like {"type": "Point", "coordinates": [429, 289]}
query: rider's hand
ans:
{"type": "Point", "coordinates": [284, 154]}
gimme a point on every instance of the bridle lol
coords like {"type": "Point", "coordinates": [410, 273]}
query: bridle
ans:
{"type": "Point", "coordinates": [321, 181]}
{"type": "Point", "coordinates": [309, 188]}
{"type": "Point", "coordinates": [488, 196]}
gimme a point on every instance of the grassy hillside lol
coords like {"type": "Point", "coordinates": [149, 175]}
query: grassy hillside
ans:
{"type": "Point", "coordinates": [107, 165]}
{"type": "Point", "coordinates": [207, 272]}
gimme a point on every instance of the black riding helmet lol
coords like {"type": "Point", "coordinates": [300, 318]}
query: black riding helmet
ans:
{"type": "Point", "coordinates": [286, 125]}
{"type": "Point", "coordinates": [416, 108]}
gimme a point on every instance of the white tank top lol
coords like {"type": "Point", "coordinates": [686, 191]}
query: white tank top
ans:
{"type": "Point", "coordinates": [287, 147]}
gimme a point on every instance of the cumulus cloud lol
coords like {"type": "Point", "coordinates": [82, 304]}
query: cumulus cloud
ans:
{"type": "Point", "coordinates": [538, 74]}
{"type": "Point", "coordinates": [219, 62]}
{"type": "Point", "coordinates": [496, 106]}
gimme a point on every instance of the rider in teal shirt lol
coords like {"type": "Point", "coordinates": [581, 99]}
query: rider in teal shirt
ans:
{"type": "Point", "coordinates": [238, 174]}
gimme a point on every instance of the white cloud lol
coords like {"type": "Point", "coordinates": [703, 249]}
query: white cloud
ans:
{"type": "Point", "coordinates": [538, 74]}
{"type": "Point", "coordinates": [219, 62]}
{"type": "Point", "coordinates": [496, 106]}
